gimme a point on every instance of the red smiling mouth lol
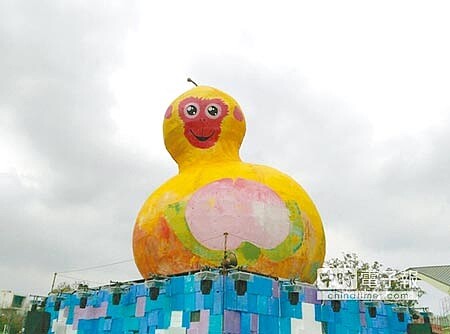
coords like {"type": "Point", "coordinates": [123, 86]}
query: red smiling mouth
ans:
{"type": "Point", "coordinates": [202, 138]}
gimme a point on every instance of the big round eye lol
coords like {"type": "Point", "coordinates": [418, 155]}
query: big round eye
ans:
{"type": "Point", "coordinates": [213, 111]}
{"type": "Point", "coordinates": [191, 110]}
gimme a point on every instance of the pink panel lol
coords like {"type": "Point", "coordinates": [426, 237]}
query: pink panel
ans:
{"type": "Point", "coordinates": [77, 312]}
{"type": "Point", "coordinates": [101, 311]}
{"type": "Point", "coordinates": [247, 210]}
{"type": "Point", "coordinates": [362, 317]}
{"type": "Point", "coordinates": [201, 326]}
{"type": "Point", "coordinates": [254, 323]}
{"type": "Point", "coordinates": [275, 289]}
{"type": "Point", "coordinates": [140, 306]}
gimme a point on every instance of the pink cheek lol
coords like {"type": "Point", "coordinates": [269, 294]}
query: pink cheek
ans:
{"type": "Point", "coordinates": [168, 113]}
{"type": "Point", "coordinates": [237, 113]}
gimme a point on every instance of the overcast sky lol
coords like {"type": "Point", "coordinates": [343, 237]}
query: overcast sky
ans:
{"type": "Point", "coordinates": [350, 98]}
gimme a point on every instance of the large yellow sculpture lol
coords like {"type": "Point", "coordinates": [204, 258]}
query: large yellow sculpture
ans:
{"type": "Point", "coordinates": [271, 224]}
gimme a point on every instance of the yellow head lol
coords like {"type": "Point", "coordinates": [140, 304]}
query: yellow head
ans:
{"type": "Point", "coordinates": [203, 125]}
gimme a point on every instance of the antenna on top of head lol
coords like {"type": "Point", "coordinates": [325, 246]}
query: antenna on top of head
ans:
{"type": "Point", "coordinates": [190, 80]}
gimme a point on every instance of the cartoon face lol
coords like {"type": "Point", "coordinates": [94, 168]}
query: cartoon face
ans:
{"type": "Point", "coordinates": [202, 120]}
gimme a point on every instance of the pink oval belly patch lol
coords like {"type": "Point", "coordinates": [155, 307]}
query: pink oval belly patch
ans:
{"type": "Point", "coordinates": [247, 210]}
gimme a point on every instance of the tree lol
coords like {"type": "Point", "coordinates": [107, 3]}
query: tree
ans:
{"type": "Point", "coordinates": [65, 287]}
{"type": "Point", "coordinates": [389, 276]}
{"type": "Point", "coordinates": [11, 319]}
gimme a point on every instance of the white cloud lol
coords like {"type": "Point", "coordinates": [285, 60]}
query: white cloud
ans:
{"type": "Point", "coordinates": [349, 98]}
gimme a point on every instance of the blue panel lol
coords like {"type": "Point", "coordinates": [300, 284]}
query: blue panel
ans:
{"type": "Point", "coordinates": [131, 324]}
{"type": "Point", "coordinates": [177, 285]}
{"type": "Point", "coordinates": [70, 316]}
{"type": "Point", "coordinates": [183, 293]}
{"type": "Point", "coordinates": [242, 302]}
{"type": "Point", "coordinates": [178, 302]}
{"type": "Point", "coordinates": [82, 326]}
{"type": "Point", "coordinates": [382, 321]}
{"type": "Point", "coordinates": [381, 309]}
{"type": "Point", "coordinates": [327, 313]}
{"type": "Point", "coordinates": [217, 303]}
{"type": "Point", "coordinates": [245, 322]}
{"type": "Point", "coordinates": [229, 284]}
{"type": "Point", "coordinates": [230, 300]}
{"type": "Point", "coordinates": [117, 326]}
{"type": "Point", "coordinates": [103, 296]}
{"type": "Point", "coordinates": [349, 319]}
{"type": "Point", "coordinates": [143, 326]}
{"type": "Point", "coordinates": [340, 329]}
{"type": "Point", "coordinates": [273, 306]}
{"type": "Point", "coordinates": [268, 324]}
{"type": "Point", "coordinates": [163, 302]}
{"type": "Point", "coordinates": [197, 286]}
{"type": "Point", "coordinates": [199, 301]}
{"type": "Point", "coordinates": [260, 285]}
{"type": "Point", "coordinates": [218, 284]}
{"type": "Point", "coordinates": [164, 319]}
{"type": "Point", "coordinates": [107, 324]}
{"type": "Point", "coordinates": [291, 311]}
{"type": "Point", "coordinates": [100, 324]}
{"type": "Point", "coordinates": [331, 328]}
{"type": "Point", "coordinates": [318, 312]}
{"type": "Point", "coordinates": [208, 300]}
{"type": "Point", "coordinates": [129, 310]}
{"type": "Point", "coordinates": [285, 325]}
{"type": "Point", "coordinates": [189, 302]}
{"type": "Point", "coordinates": [351, 306]}
{"type": "Point", "coordinates": [189, 284]}
{"type": "Point", "coordinates": [153, 318]}
{"type": "Point", "coordinates": [252, 303]}
{"type": "Point", "coordinates": [186, 320]}
{"type": "Point", "coordinates": [215, 324]}
{"type": "Point", "coordinates": [262, 304]}
{"type": "Point", "coordinates": [125, 299]}
{"type": "Point", "coordinates": [132, 296]}
{"type": "Point", "coordinates": [115, 311]}
{"type": "Point", "coordinates": [141, 290]}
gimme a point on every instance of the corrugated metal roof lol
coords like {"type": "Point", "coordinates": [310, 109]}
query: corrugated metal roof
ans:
{"type": "Point", "coordinates": [439, 274]}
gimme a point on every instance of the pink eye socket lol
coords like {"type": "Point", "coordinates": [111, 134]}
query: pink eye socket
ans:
{"type": "Point", "coordinates": [191, 110]}
{"type": "Point", "coordinates": [213, 111]}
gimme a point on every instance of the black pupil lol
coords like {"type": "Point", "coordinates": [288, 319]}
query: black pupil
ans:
{"type": "Point", "coordinates": [212, 110]}
{"type": "Point", "coordinates": [191, 110]}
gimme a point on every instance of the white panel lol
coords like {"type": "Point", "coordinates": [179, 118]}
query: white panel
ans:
{"type": "Point", "coordinates": [176, 330]}
{"type": "Point", "coordinates": [311, 325]}
{"type": "Point", "coordinates": [54, 322]}
{"type": "Point", "coordinates": [62, 315]}
{"type": "Point", "coordinates": [60, 328]}
{"type": "Point", "coordinates": [176, 319]}
{"type": "Point", "coordinates": [70, 330]}
{"type": "Point", "coordinates": [297, 326]}
{"type": "Point", "coordinates": [171, 330]}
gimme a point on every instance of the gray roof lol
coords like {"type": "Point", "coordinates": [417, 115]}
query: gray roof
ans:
{"type": "Point", "coordinates": [438, 274]}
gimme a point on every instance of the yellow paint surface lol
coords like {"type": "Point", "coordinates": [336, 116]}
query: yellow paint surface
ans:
{"type": "Point", "coordinates": [162, 241]}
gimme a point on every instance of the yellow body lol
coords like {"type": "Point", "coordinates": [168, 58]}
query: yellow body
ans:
{"type": "Point", "coordinates": [163, 242]}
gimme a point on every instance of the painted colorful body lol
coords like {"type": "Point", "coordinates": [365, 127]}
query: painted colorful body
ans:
{"type": "Point", "coordinates": [273, 226]}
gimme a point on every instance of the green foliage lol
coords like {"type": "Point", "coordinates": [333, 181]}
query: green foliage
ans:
{"type": "Point", "coordinates": [12, 319]}
{"type": "Point", "coordinates": [351, 260]}
{"type": "Point", "coordinates": [65, 287]}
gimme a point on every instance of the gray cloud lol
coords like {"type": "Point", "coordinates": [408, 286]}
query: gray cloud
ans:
{"type": "Point", "coordinates": [387, 200]}
{"type": "Point", "coordinates": [80, 208]}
